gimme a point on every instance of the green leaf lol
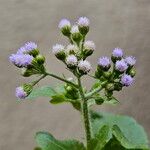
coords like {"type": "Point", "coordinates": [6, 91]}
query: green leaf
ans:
{"type": "Point", "coordinates": [128, 129]}
{"type": "Point", "coordinates": [45, 91]}
{"type": "Point", "coordinates": [47, 142]}
{"type": "Point", "coordinates": [56, 99]}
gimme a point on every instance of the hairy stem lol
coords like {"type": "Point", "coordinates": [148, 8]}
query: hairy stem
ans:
{"type": "Point", "coordinates": [85, 113]}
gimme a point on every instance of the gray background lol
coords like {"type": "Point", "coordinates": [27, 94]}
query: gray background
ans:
{"type": "Point", "coordinates": [123, 23]}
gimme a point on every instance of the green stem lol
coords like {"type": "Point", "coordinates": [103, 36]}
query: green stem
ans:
{"type": "Point", "coordinates": [85, 113]}
{"type": "Point", "coordinates": [35, 82]}
{"type": "Point", "coordinates": [62, 79]}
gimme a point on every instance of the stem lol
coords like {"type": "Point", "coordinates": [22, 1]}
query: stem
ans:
{"type": "Point", "coordinates": [61, 79]}
{"type": "Point", "coordinates": [85, 113]}
{"type": "Point", "coordinates": [35, 82]}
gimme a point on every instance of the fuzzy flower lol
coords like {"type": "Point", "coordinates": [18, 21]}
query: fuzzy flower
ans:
{"type": "Point", "coordinates": [117, 52]}
{"type": "Point", "coordinates": [21, 50]}
{"type": "Point", "coordinates": [71, 48]}
{"type": "Point", "coordinates": [29, 46]}
{"type": "Point", "coordinates": [89, 45]}
{"type": "Point", "coordinates": [83, 21]}
{"type": "Point", "coordinates": [71, 60]}
{"type": "Point", "coordinates": [121, 65]}
{"type": "Point", "coordinates": [20, 93]}
{"type": "Point", "coordinates": [126, 80]}
{"type": "Point", "coordinates": [64, 23]}
{"type": "Point", "coordinates": [104, 62]}
{"type": "Point", "coordinates": [57, 49]}
{"type": "Point", "coordinates": [84, 66]}
{"type": "Point", "coordinates": [21, 60]}
{"type": "Point", "coordinates": [74, 29]}
{"type": "Point", "coordinates": [130, 60]}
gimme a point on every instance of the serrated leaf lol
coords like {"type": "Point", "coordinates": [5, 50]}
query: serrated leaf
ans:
{"type": "Point", "coordinates": [47, 142]}
{"type": "Point", "coordinates": [130, 129]}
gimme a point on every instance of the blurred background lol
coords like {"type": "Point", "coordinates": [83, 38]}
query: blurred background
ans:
{"type": "Point", "coordinates": [115, 23]}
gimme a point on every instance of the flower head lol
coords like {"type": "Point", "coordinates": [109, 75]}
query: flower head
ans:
{"type": "Point", "coordinates": [29, 46]}
{"type": "Point", "coordinates": [21, 60]}
{"type": "Point", "coordinates": [117, 53]}
{"type": "Point", "coordinates": [20, 93]}
{"type": "Point", "coordinates": [21, 50]}
{"type": "Point", "coordinates": [57, 49]}
{"type": "Point", "coordinates": [126, 80]}
{"type": "Point", "coordinates": [71, 60]}
{"type": "Point", "coordinates": [121, 65]}
{"type": "Point", "coordinates": [83, 21]}
{"type": "Point", "coordinates": [71, 48]}
{"type": "Point", "coordinates": [84, 66]}
{"type": "Point", "coordinates": [64, 23]}
{"type": "Point", "coordinates": [104, 62]}
{"type": "Point", "coordinates": [130, 60]}
{"type": "Point", "coordinates": [74, 29]}
{"type": "Point", "coordinates": [89, 45]}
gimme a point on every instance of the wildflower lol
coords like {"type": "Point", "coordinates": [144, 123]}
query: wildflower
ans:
{"type": "Point", "coordinates": [117, 53]}
{"type": "Point", "coordinates": [121, 65]}
{"type": "Point", "coordinates": [71, 61]}
{"type": "Point", "coordinates": [75, 33]}
{"type": "Point", "coordinates": [72, 49]}
{"type": "Point", "coordinates": [104, 63]}
{"type": "Point", "coordinates": [21, 60]}
{"type": "Point", "coordinates": [84, 66]}
{"type": "Point", "coordinates": [130, 60]}
{"type": "Point", "coordinates": [20, 93]}
{"type": "Point", "coordinates": [126, 80]}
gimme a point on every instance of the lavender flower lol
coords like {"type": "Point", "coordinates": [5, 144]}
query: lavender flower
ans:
{"type": "Point", "coordinates": [83, 21]}
{"type": "Point", "coordinates": [84, 66]}
{"type": "Point", "coordinates": [121, 65]}
{"type": "Point", "coordinates": [21, 50]}
{"type": "Point", "coordinates": [21, 60]}
{"type": "Point", "coordinates": [74, 29]}
{"type": "Point", "coordinates": [20, 93]}
{"type": "Point", "coordinates": [130, 60]}
{"type": "Point", "coordinates": [71, 49]}
{"type": "Point", "coordinates": [29, 46]}
{"type": "Point", "coordinates": [71, 60]}
{"type": "Point", "coordinates": [104, 62]}
{"type": "Point", "coordinates": [57, 49]}
{"type": "Point", "coordinates": [64, 23]}
{"type": "Point", "coordinates": [126, 80]}
{"type": "Point", "coordinates": [117, 53]}
{"type": "Point", "coordinates": [89, 45]}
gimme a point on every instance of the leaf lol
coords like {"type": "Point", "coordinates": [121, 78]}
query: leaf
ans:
{"type": "Point", "coordinates": [129, 128]}
{"type": "Point", "coordinates": [45, 91]}
{"type": "Point", "coordinates": [56, 99]}
{"type": "Point", "coordinates": [112, 101]}
{"type": "Point", "coordinates": [47, 142]}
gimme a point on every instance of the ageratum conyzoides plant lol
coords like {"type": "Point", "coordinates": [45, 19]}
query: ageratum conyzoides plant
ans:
{"type": "Point", "coordinates": [103, 131]}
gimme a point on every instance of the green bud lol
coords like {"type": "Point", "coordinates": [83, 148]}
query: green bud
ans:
{"type": "Point", "coordinates": [84, 30]}
{"type": "Point", "coordinates": [26, 72]}
{"type": "Point", "coordinates": [132, 72]}
{"type": "Point", "coordinates": [40, 59]}
{"type": "Point", "coordinates": [118, 86]}
{"type": "Point", "coordinates": [66, 31]}
{"type": "Point", "coordinates": [34, 52]}
{"type": "Point", "coordinates": [107, 74]}
{"type": "Point", "coordinates": [61, 55]}
{"type": "Point", "coordinates": [87, 52]}
{"type": "Point", "coordinates": [110, 87]}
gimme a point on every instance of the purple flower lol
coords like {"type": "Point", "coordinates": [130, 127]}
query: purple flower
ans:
{"type": "Point", "coordinates": [21, 50]}
{"type": "Point", "coordinates": [84, 66]}
{"type": "Point", "coordinates": [130, 60]}
{"type": "Point", "coordinates": [21, 60]}
{"type": "Point", "coordinates": [104, 62]}
{"type": "Point", "coordinates": [20, 93]}
{"type": "Point", "coordinates": [117, 52]}
{"type": "Point", "coordinates": [89, 45]}
{"type": "Point", "coordinates": [126, 80]}
{"type": "Point", "coordinates": [83, 21]}
{"type": "Point", "coordinates": [121, 65]}
{"type": "Point", "coordinates": [29, 46]}
{"type": "Point", "coordinates": [64, 23]}
{"type": "Point", "coordinates": [71, 60]}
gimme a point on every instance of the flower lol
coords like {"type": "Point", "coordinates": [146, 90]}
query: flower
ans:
{"type": "Point", "coordinates": [83, 21]}
{"type": "Point", "coordinates": [104, 62]}
{"type": "Point", "coordinates": [89, 45]}
{"type": "Point", "coordinates": [29, 46]}
{"type": "Point", "coordinates": [71, 60]}
{"type": "Point", "coordinates": [21, 60]}
{"type": "Point", "coordinates": [74, 29]}
{"type": "Point", "coordinates": [20, 93]}
{"type": "Point", "coordinates": [126, 80]}
{"type": "Point", "coordinates": [117, 53]}
{"type": "Point", "coordinates": [130, 60]}
{"type": "Point", "coordinates": [121, 65]}
{"type": "Point", "coordinates": [57, 49]}
{"type": "Point", "coordinates": [72, 49]}
{"type": "Point", "coordinates": [21, 50]}
{"type": "Point", "coordinates": [64, 23]}
{"type": "Point", "coordinates": [84, 66]}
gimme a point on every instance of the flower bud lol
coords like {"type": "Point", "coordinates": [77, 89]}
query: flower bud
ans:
{"type": "Point", "coordinates": [89, 47]}
{"type": "Point", "coordinates": [107, 74]}
{"type": "Point", "coordinates": [26, 72]}
{"type": "Point", "coordinates": [132, 72]}
{"type": "Point", "coordinates": [126, 80]}
{"type": "Point", "coordinates": [65, 27]}
{"type": "Point", "coordinates": [121, 66]}
{"type": "Point", "coordinates": [110, 87]}
{"type": "Point", "coordinates": [84, 66]}
{"type": "Point", "coordinates": [104, 63]}
{"type": "Point", "coordinates": [83, 23]}
{"type": "Point", "coordinates": [71, 61]}
{"type": "Point", "coordinates": [58, 51]}
{"type": "Point", "coordinates": [40, 59]}
{"type": "Point", "coordinates": [117, 54]}
{"type": "Point", "coordinates": [76, 36]}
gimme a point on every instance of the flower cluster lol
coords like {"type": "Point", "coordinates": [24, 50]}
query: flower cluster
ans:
{"type": "Point", "coordinates": [122, 72]}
